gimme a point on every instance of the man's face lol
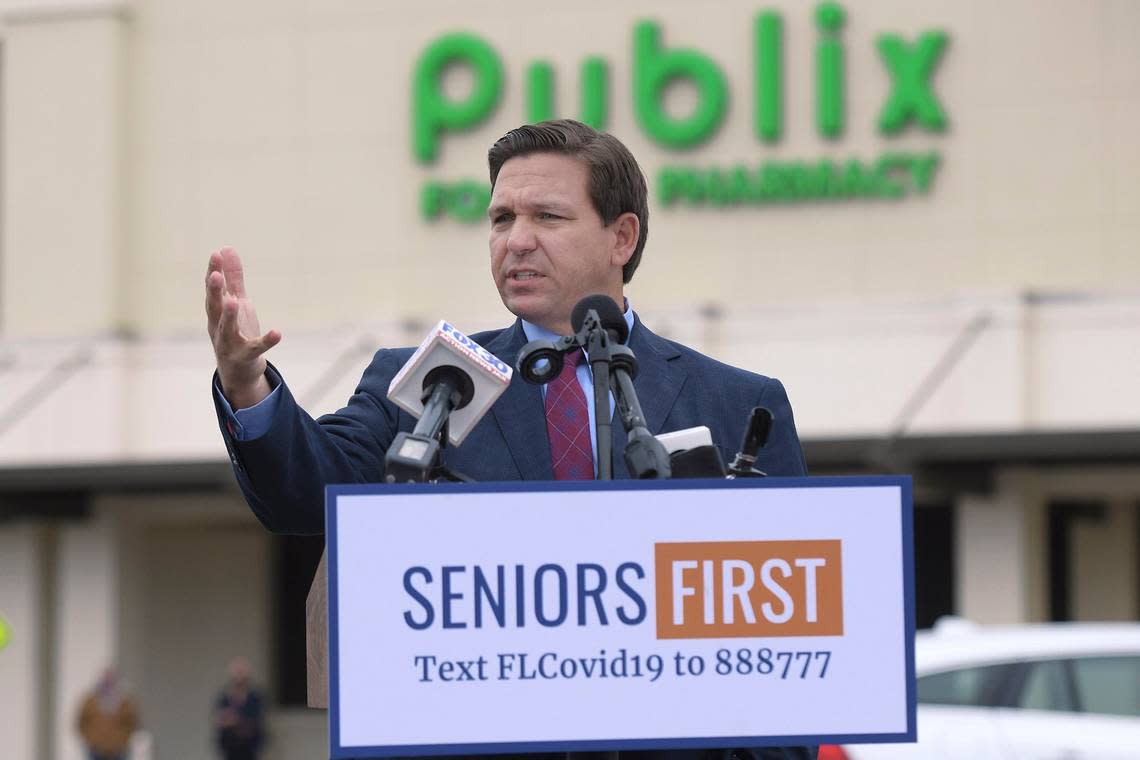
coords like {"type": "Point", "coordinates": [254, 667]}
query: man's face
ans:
{"type": "Point", "coordinates": [549, 248]}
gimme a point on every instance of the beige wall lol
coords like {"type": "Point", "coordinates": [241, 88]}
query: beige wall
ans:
{"type": "Point", "coordinates": [62, 137]}
{"type": "Point", "coordinates": [283, 128]}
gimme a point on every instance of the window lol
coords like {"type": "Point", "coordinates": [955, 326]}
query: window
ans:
{"type": "Point", "coordinates": [1047, 688]}
{"type": "Point", "coordinates": [1108, 685]}
{"type": "Point", "coordinates": [980, 687]}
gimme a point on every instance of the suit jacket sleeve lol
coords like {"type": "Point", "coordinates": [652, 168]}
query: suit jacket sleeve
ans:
{"type": "Point", "coordinates": [283, 473]}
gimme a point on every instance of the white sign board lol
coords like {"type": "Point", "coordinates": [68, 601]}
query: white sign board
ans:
{"type": "Point", "coordinates": [624, 615]}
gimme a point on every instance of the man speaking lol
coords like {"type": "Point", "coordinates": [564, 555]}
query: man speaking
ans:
{"type": "Point", "coordinates": [568, 219]}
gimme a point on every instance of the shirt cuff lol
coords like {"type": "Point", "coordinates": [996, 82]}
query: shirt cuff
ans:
{"type": "Point", "coordinates": [255, 421]}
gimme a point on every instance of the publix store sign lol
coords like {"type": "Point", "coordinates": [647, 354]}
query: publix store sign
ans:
{"type": "Point", "coordinates": [911, 103]}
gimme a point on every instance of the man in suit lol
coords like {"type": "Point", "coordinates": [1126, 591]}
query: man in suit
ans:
{"type": "Point", "coordinates": [568, 218]}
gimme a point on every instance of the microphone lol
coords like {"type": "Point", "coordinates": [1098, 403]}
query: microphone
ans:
{"type": "Point", "coordinates": [692, 453]}
{"type": "Point", "coordinates": [447, 388]}
{"type": "Point", "coordinates": [609, 316]}
{"type": "Point", "coordinates": [540, 361]}
{"type": "Point", "coordinates": [449, 383]}
{"type": "Point", "coordinates": [755, 436]}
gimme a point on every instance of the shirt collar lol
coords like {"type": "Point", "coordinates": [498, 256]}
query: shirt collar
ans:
{"type": "Point", "coordinates": [534, 332]}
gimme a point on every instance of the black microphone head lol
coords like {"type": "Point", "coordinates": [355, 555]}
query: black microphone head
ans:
{"type": "Point", "coordinates": [756, 435]}
{"type": "Point", "coordinates": [609, 314]}
{"type": "Point", "coordinates": [456, 377]}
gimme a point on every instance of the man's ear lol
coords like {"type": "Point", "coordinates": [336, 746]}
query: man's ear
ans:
{"type": "Point", "coordinates": [626, 229]}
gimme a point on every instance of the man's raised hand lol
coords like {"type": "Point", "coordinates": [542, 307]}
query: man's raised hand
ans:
{"type": "Point", "coordinates": [232, 323]}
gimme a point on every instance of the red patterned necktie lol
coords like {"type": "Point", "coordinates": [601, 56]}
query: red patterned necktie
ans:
{"type": "Point", "coordinates": [568, 423]}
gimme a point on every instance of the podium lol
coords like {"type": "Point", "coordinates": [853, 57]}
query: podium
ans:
{"type": "Point", "coordinates": [317, 637]}
{"type": "Point", "coordinates": [620, 615]}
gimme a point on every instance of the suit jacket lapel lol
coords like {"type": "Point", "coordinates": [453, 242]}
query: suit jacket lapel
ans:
{"type": "Point", "coordinates": [519, 412]}
{"type": "Point", "coordinates": [658, 383]}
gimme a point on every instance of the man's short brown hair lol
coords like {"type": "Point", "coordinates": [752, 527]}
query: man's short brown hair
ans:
{"type": "Point", "coordinates": [616, 184]}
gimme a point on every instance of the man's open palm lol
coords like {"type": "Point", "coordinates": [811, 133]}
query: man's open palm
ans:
{"type": "Point", "coordinates": [235, 332]}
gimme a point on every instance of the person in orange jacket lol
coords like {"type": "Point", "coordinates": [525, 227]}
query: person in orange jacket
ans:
{"type": "Point", "coordinates": [108, 717]}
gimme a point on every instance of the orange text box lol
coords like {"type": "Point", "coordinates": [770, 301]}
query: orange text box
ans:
{"type": "Point", "coordinates": [722, 589]}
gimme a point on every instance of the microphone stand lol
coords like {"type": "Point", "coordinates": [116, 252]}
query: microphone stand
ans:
{"type": "Point", "coordinates": [599, 348]}
{"type": "Point", "coordinates": [540, 361]}
{"type": "Point", "coordinates": [613, 367]}
{"type": "Point", "coordinates": [645, 456]}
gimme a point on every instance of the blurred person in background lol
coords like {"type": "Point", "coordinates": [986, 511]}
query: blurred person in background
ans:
{"type": "Point", "coordinates": [238, 714]}
{"type": "Point", "coordinates": [107, 718]}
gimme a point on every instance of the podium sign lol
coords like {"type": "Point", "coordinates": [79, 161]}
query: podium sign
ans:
{"type": "Point", "coordinates": [622, 615]}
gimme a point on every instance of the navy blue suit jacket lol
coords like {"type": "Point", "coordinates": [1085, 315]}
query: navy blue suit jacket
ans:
{"type": "Point", "coordinates": [284, 472]}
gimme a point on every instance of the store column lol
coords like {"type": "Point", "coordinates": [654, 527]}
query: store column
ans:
{"type": "Point", "coordinates": [992, 558]}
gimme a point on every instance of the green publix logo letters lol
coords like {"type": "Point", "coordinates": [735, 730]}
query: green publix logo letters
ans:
{"type": "Point", "coordinates": [911, 102]}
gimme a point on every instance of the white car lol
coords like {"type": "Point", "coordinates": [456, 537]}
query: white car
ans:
{"type": "Point", "coordinates": [1058, 691]}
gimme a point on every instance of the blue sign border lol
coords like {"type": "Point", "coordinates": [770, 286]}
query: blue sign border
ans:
{"type": "Point", "coordinates": [339, 752]}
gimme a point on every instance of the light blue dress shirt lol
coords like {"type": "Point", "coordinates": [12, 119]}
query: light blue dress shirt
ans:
{"type": "Point", "coordinates": [254, 422]}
